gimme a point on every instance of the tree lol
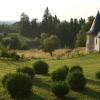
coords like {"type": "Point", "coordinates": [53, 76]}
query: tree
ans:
{"type": "Point", "coordinates": [43, 36]}
{"type": "Point", "coordinates": [81, 36]}
{"type": "Point", "coordinates": [80, 39]}
{"type": "Point", "coordinates": [49, 22]}
{"type": "Point", "coordinates": [87, 26]}
{"type": "Point", "coordinates": [51, 43]}
{"type": "Point", "coordinates": [55, 25]}
{"type": "Point", "coordinates": [64, 33]}
{"type": "Point", "coordinates": [34, 27]}
{"type": "Point", "coordinates": [13, 42]}
{"type": "Point", "coordinates": [74, 29]}
{"type": "Point", "coordinates": [45, 22]}
{"type": "Point", "coordinates": [81, 22]}
{"type": "Point", "coordinates": [25, 27]}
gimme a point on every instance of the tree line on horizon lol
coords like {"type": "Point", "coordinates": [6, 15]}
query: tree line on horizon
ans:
{"type": "Point", "coordinates": [70, 34]}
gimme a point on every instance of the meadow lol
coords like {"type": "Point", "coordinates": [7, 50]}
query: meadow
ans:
{"type": "Point", "coordinates": [41, 84]}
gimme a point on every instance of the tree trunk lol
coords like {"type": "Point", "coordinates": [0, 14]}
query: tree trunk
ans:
{"type": "Point", "coordinates": [51, 54]}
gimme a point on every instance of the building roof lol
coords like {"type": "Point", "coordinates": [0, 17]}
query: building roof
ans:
{"type": "Point", "coordinates": [98, 35]}
{"type": "Point", "coordinates": [95, 28]}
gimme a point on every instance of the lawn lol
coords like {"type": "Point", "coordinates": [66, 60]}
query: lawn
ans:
{"type": "Point", "coordinates": [41, 84]}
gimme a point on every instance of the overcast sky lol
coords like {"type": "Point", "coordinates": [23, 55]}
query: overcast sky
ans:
{"type": "Point", "coordinates": [64, 9]}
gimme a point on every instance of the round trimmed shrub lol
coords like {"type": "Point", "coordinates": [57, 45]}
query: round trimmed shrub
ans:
{"type": "Point", "coordinates": [19, 85]}
{"type": "Point", "coordinates": [66, 68]}
{"type": "Point", "coordinates": [40, 67]}
{"type": "Point", "coordinates": [98, 74]}
{"type": "Point", "coordinates": [4, 80]}
{"type": "Point", "coordinates": [76, 68]}
{"type": "Point", "coordinates": [76, 81]}
{"type": "Point", "coordinates": [60, 74]}
{"type": "Point", "coordinates": [27, 70]}
{"type": "Point", "coordinates": [60, 89]}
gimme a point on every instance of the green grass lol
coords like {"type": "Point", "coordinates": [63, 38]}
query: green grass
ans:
{"type": "Point", "coordinates": [41, 84]}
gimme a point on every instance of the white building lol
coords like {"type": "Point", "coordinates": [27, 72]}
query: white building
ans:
{"type": "Point", "coordinates": [93, 36]}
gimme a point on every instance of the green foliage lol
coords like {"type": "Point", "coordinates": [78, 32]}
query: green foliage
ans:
{"type": "Point", "coordinates": [14, 56]}
{"type": "Point", "coordinates": [41, 87]}
{"type": "Point", "coordinates": [43, 36]}
{"type": "Point", "coordinates": [60, 74]}
{"type": "Point", "coordinates": [66, 68]}
{"type": "Point", "coordinates": [1, 37]}
{"type": "Point", "coordinates": [19, 85]}
{"type": "Point", "coordinates": [25, 27]}
{"type": "Point", "coordinates": [98, 74]}
{"type": "Point", "coordinates": [36, 43]}
{"type": "Point", "coordinates": [12, 41]}
{"type": "Point", "coordinates": [51, 43]}
{"type": "Point", "coordinates": [26, 43]}
{"type": "Point", "coordinates": [7, 28]}
{"type": "Point", "coordinates": [51, 25]}
{"type": "Point", "coordinates": [76, 81]}
{"type": "Point", "coordinates": [40, 67]}
{"type": "Point", "coordinates": [27, 70]}
{"type": "Point", "coordinates": [60, 89]}
{"type": "Point", "coordinates": [17, 41]}
{"type": "Point", "coordinates": [80, 39]}
{"type": "Point", "coordinates": [6, 53]}
{"type": "Point", "coordinates": [70, 33]}
{"type": "Point", "coordinates": [35, 28]}
{"type": "Point", "coordinates": [47, 21]}
{"type": "Point", "coordinates": [81, 36]}
{"type": "Point", "coordinates": [76, 68]}
{"type": "Point", "coordinates": [4, 79]}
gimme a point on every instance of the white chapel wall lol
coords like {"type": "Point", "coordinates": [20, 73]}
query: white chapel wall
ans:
{"type": "Point", "coordinates": [97, 44]}
{"type": "Point", "coordinates": [90, 43]}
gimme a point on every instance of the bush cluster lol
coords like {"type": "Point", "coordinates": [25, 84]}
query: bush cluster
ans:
{"type": "Point", "coordinates": [19, 85]}
{"type": "Point", "coordinates": [27, 70]}
{"type": "Point", "coordinates": [60, 74]}
{"type": "Point", "coordinates": [98, 74]}
{"type": "Point", "coordinates": [76, 68]}
{"type": "Point", "coordinates": [40, 67]}
{"type": "Point", "coordinates": [4, 80]}
{"type": "Point", "coordinates": [60, 88]}
{"type": "Point", "coordinates": [6, 53]}
{"type": "Point", "coordinates": [76, 81]}
{"type": "Point", "coordinates": [13, 41]}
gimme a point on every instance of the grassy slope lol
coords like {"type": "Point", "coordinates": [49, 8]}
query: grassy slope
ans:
{"type": "Point", "coordinates": [41, 86]}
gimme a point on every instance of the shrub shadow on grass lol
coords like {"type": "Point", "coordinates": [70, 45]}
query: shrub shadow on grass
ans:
{"type": "Point", "coordinates": [93, 82]}
{"type": "Point", "coordinates": [35, 97]}
{"type": "Point", "coordinates": [48, 74]}
{"type": "Point", "coordinates": [39, 83]}
{"type": "Point", "coordinates": [9, 61]}
{"type": "Point", "coordinates": [31, 97]}
{"type": "Point", "coordinates": [91, 93]}
{"type": "Point", "coordinates": [68, 98]}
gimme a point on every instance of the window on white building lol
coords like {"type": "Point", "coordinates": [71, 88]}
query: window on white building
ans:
{"type": "Point", "coordinates": [96, 41]}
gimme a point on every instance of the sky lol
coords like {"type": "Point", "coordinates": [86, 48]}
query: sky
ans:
{"type": "Point", "coordinates": [10, 10]}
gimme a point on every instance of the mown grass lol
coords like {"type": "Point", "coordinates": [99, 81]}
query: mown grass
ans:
{"type": "Point", "coordinates": [41, 84]}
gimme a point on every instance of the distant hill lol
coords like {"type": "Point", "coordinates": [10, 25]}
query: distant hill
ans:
{"type": "Point", "coordinates": [7, 22]}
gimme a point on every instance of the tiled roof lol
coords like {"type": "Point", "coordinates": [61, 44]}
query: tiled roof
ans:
{"type": "Point", "coordinates": [95, 28]}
